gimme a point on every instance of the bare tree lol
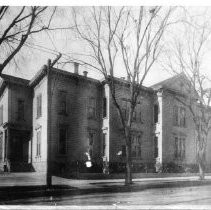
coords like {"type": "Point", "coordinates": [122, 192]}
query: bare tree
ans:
{"type": "Point", "coordinates": [17, 25]}
{"type": "Point", "coordinates": [187, 57]}
{"type": "Point", "coordinates": [133, 35]}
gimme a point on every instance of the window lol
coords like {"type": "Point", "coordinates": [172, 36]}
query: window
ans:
{"type": "Point", "coordinates": [91, 142]}
{"type": "Point", "coordinates": [104, 143]}
{"type": "Point", "coordinates": [62, 103]}
{"type": "Point", "coordinates": [179, 148]}
{"type": "Point", "coordinates": [134, 115]}
{"type": "Point", "coordinates": [136, 146]}
{"type": "Point", "coordinates": [175, 116]}
{"type": "Point", "coordinates": [179, 116]}
{"type": "Point", "coordinates": [104, 107]}
{"type": "Point", "coordinates": [92, 108]}
{"type": "Point", "coordinates": [123, 151]}
{"type": "Point", "coordinates": [125, 109]}
{"type": "Point", "coordinates": [38, 152]}
{"type": "Point", "coordinates": [20, 113]}
{"type": "Point", "coordinates": [182, 117]}
{"type": "Point", "coordinates": [155, 147]}
{"type": "Point", "coordinates": [62, 140]}
{"type": "Point", "coordinates": [1, 114]}
{"type": "Point", "coordinates": [125, 113]}
{"type": "Point", "coordinates": [140, 117]}
{"type": "Point", "coordinates": [156, 113]}
{"type": "Point", "coordinates": [1, 145]}
{"type": "Point", "coordinates": [39, 106]}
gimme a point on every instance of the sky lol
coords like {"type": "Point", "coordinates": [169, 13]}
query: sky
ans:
{"type": "Point", "coordinates": [47, 46]}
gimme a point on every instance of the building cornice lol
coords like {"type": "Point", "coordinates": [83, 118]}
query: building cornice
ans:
{"type": "Point", "coordinates": [8, 79]}
{"type": "Point", "coordinates": [43, 72]}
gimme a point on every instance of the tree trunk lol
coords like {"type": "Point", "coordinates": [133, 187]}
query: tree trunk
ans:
{"type": "Point", "coordinates": [201, 171]}
{"type": "Point", "coordinates": [201, 164]}
{"type": "Point", "coordinates": [128, 175]}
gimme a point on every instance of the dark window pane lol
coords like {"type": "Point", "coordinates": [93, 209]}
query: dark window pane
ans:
{"type": "Point", "coordinates": [104, 107]}
{"type": "Point", "coordinates": [62, 105]}
{"type": "Point", "coordinates": [104, 143]}
{"type": "Point", "coordinates": [20, 109]}
{"type": "Point", "coordinates": [155, 147]}
{"type": "Point", "coordinates": [175, 116]}
{"type": "Point", "coordinates": [62, 140]}
{"type": "Point", "coordinates": [155, 113]}
{"type": "Point", "coordinates": [91, 108]}
{"type": "Point", "coordinates": [123, 151]}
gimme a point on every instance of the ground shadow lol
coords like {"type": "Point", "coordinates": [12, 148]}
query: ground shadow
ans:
{"type": "Point", "coordinates": [8, 194]}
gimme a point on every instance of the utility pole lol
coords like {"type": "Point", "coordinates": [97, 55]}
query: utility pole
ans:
{"type": "Point", "coordinates": [49, 101]}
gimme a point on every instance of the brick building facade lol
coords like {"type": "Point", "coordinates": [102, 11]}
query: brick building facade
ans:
{"type": "Point", "coordinates": [60, 117]}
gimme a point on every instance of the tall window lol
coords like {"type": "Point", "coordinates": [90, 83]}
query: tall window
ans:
{"type": "Point", "coordinates": [39, 105]}
{"type": "Point", "coordinates": [38, 152]}
{"type": "Point", "coordinates": [92, 108]}
{"type": "Point", "coordinates": [20, 109]}
{"type": "Point", "coordinates": [175, 115]}
{"type": "Point", "coordinates": [123, 151]}
{"type": "Point", "coordinates": [136, 146]}
{"type": "Point", "coordinates": [62, 140]}
{"type": "Point", "coordinates": [179, 116]}
{"type": "Point", "coordinates": [104, 143]}
{"type": "Point", "coordinates": [62, 102]}
{"type": "Point", "coordinates": [1, 114]}
{"type": "Point", "coordinates": [1, 145]}
{"type": "Point", "coordinates": [104, 107]}
{"type": "Point", "coordinates": [125, 109]}
{"type": "Point", "coordinates": [179, 148]}
{"type": "Point", "coordinates": [155, 147]}
{"type": "Point", "coordinates": [182, 117]}
{"type": "Point", "coordinates": [156, 113]}
{"type": "Point", "coordinates": [91, 142]}
{"type": "Point", "coordinates": [134, 115]}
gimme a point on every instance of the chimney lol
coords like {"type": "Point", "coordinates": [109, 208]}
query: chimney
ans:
{"type": "Point", "coordinates": [85, 73]}
{"type": "Point", "coordinates": [76, 65]}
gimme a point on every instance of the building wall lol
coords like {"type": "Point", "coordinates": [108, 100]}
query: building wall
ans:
{"type": "Point", "coordinates": [77, 91]}
{"type": "Point", "coordinates": [24, 93]}
{"type": "Point", "coordinates": [40, 124]}
{"type": "Point", "coordinates": [169, 131]}
{"type": "Point", "coordinates": [142, 125]}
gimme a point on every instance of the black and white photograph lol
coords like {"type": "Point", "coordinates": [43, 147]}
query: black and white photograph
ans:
{"type": "Point", "coordinates": [105, 105]}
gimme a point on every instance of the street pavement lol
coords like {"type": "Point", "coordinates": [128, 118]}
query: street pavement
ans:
{"type": "Point", "coordinates": [194, 196]}
{"type": "Point", "coordinates": [38, 179]}
{"type": "Point", "coordinates": [29, 189]}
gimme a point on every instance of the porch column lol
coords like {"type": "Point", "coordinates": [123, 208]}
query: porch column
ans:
{"type": "Point", "coordinates": [160, 127]}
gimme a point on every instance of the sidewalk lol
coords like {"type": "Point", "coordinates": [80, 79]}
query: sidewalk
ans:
{"type": "Point", "coordinates": [18, 185]}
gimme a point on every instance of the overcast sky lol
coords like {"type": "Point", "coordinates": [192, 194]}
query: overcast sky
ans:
{"type": "Point", "coordinates": [47, 45]}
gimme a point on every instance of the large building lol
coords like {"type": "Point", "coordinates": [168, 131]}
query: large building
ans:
{"type": "Point", "coordinates": [59, 117]}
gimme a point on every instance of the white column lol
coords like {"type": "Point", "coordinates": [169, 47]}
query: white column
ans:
{"type": "Point", "coordinates": [159, 127]}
